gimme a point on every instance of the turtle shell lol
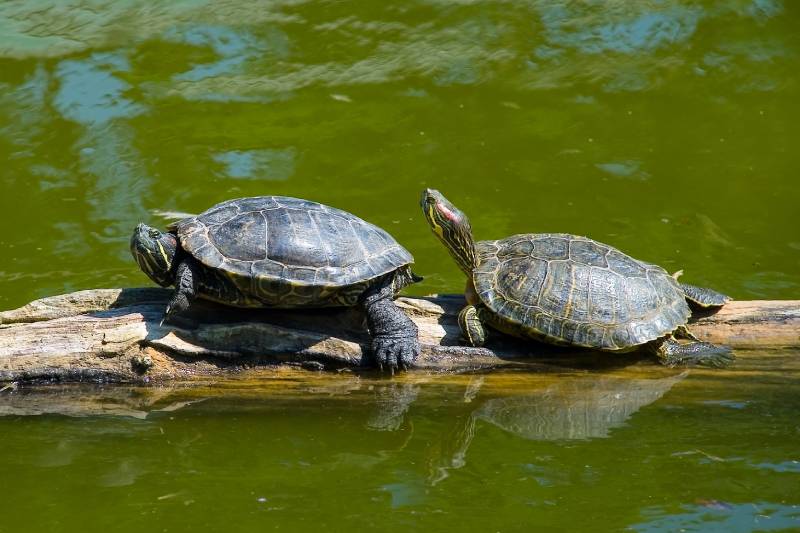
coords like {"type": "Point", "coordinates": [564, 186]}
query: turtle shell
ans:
{"type": "Point", "coordinates": [566, 289]}
{"type": "Point", "coordinates": [288, 251]}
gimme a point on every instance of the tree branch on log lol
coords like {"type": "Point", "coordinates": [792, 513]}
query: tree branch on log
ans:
{"type": "Point", "coordinates": [114, 335]}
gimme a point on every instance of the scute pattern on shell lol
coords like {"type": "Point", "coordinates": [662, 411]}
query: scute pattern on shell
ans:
{"type": "Point", "coordinates": [572, 290]}
{"type": "Point", "coordinates": [290, 251]}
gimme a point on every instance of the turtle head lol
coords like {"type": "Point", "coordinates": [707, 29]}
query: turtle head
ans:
{"type": "Point", "coordinates": [451, 226]}
{"type": "Point", "coordinates": [155, 253]}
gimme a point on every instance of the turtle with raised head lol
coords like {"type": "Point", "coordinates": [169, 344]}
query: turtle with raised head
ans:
{"type": "Point", "coordinates": [571, 291]}
{"type": "Point", "coordinates": [281, 252]}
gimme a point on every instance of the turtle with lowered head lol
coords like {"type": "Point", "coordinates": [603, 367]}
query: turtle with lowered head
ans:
{"type": "Point", "coordinates": [572, 291]}
{"type": "Point", "coordinates": [281, 252]}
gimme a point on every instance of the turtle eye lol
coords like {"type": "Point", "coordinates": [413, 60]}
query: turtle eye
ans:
{"type": "Point", "coordinates": [154, 233]}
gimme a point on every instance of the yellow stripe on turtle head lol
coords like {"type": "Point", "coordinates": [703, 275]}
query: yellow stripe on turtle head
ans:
{"type": "Point", "coordinates": [163, 254]}
{"type": "Point", "coordinates": [437, 229]}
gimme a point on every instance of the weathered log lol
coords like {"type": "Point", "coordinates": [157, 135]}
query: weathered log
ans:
{"type": "Point", "coordinates": [116, 335]}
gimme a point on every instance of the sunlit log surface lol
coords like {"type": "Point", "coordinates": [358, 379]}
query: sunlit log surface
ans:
{"type": "Point", "coordinates": [115, 335]}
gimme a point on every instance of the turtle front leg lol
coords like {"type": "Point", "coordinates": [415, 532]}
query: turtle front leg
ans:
{"type": "Point", "coordinates": [186, 280]}
{"type": "Point", "coordinates": [472, 328]}
{"type": "Point", "coordinates": [394, 335]}
{"type": "Point", "coordinates": [673, 353]}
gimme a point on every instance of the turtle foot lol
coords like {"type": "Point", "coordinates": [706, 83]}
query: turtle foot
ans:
{"type": "Point", "coordinates": [673, 353]}
{"type": "Point", "coordinates": [395, 353]}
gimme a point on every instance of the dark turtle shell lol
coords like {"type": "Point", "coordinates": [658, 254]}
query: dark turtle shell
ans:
{"type": "Point", "coordinates": [283, 251]}
{"type": "Point", "coordinates": [566, 289]}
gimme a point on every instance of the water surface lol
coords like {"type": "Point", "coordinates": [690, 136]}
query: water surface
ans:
{"type": "Point", "coordinates": [668, 129]}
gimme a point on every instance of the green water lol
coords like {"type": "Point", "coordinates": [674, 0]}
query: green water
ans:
{"type": "Point", "coordinates": [668, 129]}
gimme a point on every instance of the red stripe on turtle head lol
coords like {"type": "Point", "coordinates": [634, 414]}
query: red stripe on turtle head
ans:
{"type": "Point", "coordinates": [446, 212]}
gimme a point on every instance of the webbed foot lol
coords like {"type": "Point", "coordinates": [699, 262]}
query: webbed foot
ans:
{"type": "Point", "coordinates": [673, 353]}
{"type": "Point", "coordinates": [392, 353]}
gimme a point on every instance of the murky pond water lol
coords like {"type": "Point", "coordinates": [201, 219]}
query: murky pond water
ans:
{"type": "Point", "coordinates": [646, 449]}
{"type": "Point", "coordinates": [668, 129]}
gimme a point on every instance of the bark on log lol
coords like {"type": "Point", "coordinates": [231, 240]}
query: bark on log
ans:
{"type": "Point", "coordinates": [115, 335]}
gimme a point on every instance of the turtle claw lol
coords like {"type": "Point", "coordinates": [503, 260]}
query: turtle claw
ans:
{"type": "Point", "coordinates": [395, 354]}
{"type": "Point", "coordinates": [178, 321]}
{"type": "Point", "coordinates": [408, 355]}
{"type": "Point", "coordinates": [382, 354]}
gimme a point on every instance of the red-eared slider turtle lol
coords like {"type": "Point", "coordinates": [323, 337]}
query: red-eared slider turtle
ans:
{"type": "Point", "coordinates": [274, 251]}
{"type": "Point", "coordinates": [570, 290]}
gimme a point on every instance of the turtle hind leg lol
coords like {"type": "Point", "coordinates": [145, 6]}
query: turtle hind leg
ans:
{"type": "Point", "coordinates": [702, 297]}
{"type": "Point", "coordinates": [471, 326]}
{"type": "Point", "coordinates": [395, 342]}
{"type": "Point", "coordinates": [673, 353]}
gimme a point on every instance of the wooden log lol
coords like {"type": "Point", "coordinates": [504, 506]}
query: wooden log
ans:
{"type": "Point", "coordinates": [116, 335]}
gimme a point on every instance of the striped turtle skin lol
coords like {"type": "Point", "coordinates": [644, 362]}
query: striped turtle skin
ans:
{"type": "Point", "coordinates": [276, 251]}
{"type": "Point", "coordinates": [570, 290]}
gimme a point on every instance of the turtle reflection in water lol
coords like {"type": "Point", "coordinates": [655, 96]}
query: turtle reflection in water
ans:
{"type": "Point", "coordinates": [569, 290]}
{"type": "Point", "coordinates": [280, 252]}
{"type": "Point", "coordinates": [575, 408]}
